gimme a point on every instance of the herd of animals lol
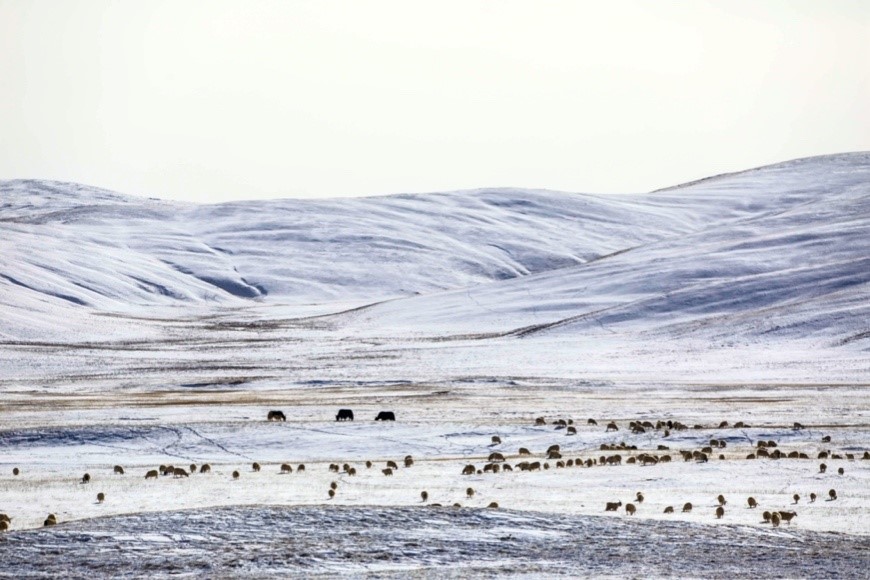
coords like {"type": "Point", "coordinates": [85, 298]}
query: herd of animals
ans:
{"type": "Point", "coordinates": [497, 462]}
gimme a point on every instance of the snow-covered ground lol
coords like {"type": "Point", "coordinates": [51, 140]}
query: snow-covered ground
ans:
{"type": "Point", "coordinates": [140, 332]}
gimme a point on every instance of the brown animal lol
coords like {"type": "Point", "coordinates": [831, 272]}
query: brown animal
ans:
{"type": "Point", "coordinates": [832, 494]}
{"type": "Point", "coordinates": [409, 461]}
{"type": "Point", "coordinates": [424, 495]}
{"type": "Point", "coordinates": [352, 471]}
{"type": "Point", "coordinates": [630, 509]}
{"type": "Point", "coordinates": [468, 470]}
{"type": "Point", "coordinates": [687, 507]}
{"type": "Point", "coordinates": [495, 457]}
{"type": "Point", "coordinates": [775, 519]}
{"type": "Point", "coordinates": [469, 492]}
{"type": "Point", "coordinates": [822, 468]}
{"type": "Point", "coordinates": [119, 470]}
{"type": "Point", "coordinates": [524, 451]}
{"type": "Point", "coordinates": [826, 439]}
{"type": "Point", "coordinates": [766, 517]}
{"type": "Point", "coordinates": [86, 478]}
{"type": "Point", "coordinates": [392, 465]}
{"type": "Point", "coordinates": [331, 493]}
{"type": "Point", "coordinates": [333, 485]}
{"type": "Point", "coordinates": [669, 509]}
{"type": "Point", "coordinates": [507, 467]}
{"type": "Point", "coordinates": [368, 464]}
{"type": "Point", "coordinates": [812, 497]}
{"type": "Point", "coordinates": [5, 518]}
{"type": "Point", "coordinates": [301, 468]}
{"type": "Point", "coordinates": [286, 468]}
{"type": "Point", "coordinates": [206, 468]}
{"type": "Point", "coordinates": [179, 472]}
{"type": "Point", "coordinates": [387, 471]}
{"type": "Point", "coordinates": [553, 448]}
{"type": "Point", "coordinates": [152, 474]}
{"type": "Point", "coordinates": [841, 471]}
{"type": "Point", "coordinates": [235, 474]}
{"type": "Point", "coordinates": [721, 499]}
{"type": "Point", "coordinates": [787, 516]}
{"type": "Point", "coordinates": [611, 427]}
{"type": "Point", "coordinates": [101, 497]}
{"type": "Point", "coordinates": [496, 440]}
{"type": "Point", "coordinates": [723, 424]}
{"type": "Point", "coordinates": [193, 467]}
{"type": "Point", "coordinates": [493, 505]}
{"type": "Point", "coordinates": [796, 498]}
{"type": "Point", "coordinates": [255, 466]}
{"type": "Point", "coordinates": [275, 416]}
{"type": "Point", "coordinates": [4, 526]}
{"type": "Point", "coordinates": [612, 506]}
{"type": "Point", "coordinates": [591, 422]}
{"type": "Point", "coordinates": [535, 466]}
{"type": "Point", "coordinates": [15, 471]}
{"type": "Point", "coordinates": [639, 497]}
{"type": "Point", "coordinates": [334, 467]}
{"type": "Point", "coordinates": [554, 455]}
{"type": "Point", "coordinates": [571, 430]}
{"type": "Point", "coordinates": [720, 511]}
{"type": "Point", "coordinates": [49, 522]}
{"type": "Point", "coordinates": [752, 503]}
{"type": "Point", "coordinates": [540, 421]}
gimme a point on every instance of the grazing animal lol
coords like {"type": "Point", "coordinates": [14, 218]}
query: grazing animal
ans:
{"type": "Point", "coordinates": [496, 440]}
{"type": "Point", "coordinates": [344, 415]}
{"type": "Point", "coordinates": [540, 421]}
{"type": "Point", "coordinates": [49, 522]}
{"type": "Point", "coordinates": [630, 509]}
{"type": "Point", "coordinates": [493, 505]}
{"type": "Point", "coordinates": [4, 526]}
{"type": "Point", "coordinates": [591, 422]}
{"type": "Point", "coordinates": [301, 468]}
{"type": "Point", "coordinates": [152, 474]}
{"type": "Point", "coordinates": [832, 494]}
{"type": "Point", "coordinates": [866, 455]}
{"type": "Point", "coordinates": [368, 464]}
{"type": "Point", "coordinates": [752, 503]}
{"type": "Point", "coordinates": [86, 478]}
{"type": "Point", "coordinates": [841, 471]}
{"type": "Point", "coordinates": [524, 451]}
{"type": "Point", "coordinates": [723, 424]}
{"type": "Point", "coordinates": [119, 470]}
{"type": "Point", "coordinates": [687, 507]}
{"type": "Point", "coordinates": [333, 467]}
{"type": "Point", "coordinates": [469, 492]}
{"type": "Point", "coordinates": [797, 426]}
{"type": "Point", "coordinates": [206, 468]}
{"type": "Point", "coordinates": [787, 516]}
{"type": "Point", "coordinates": [331, 493]}
{"type": "Point", "coordinates": [168, 470]}
{"type": "Point", "coordinates": [826, 439]}
{"type": "Point", "coordinates": [424, 495]}
{"type": "Point", "coordinates": [766, 517]}
{"type": "Point", "coordinates": [554, 455]}
{"type": "Point", "coordinates": [535, 466]}
{"type": "Point", "coordinates": [392, 465]}
{"type": "Point", "coordinates": [554, 448]}
{"type": "Point", "coordinates": [101, 497]}
{"type": "Point", "coordinates": [822, 468]}
{"type": "Point", "coordinates": [639, 497]}
{"type": "Point", "coordinates": [387, 471]}
{"type": "Point", "coordinates": [193, 467]}
{"type": "Point", "coordinates": [495, 456]}
{"type": "Point", "coordinates": [235, 474]}
{"type": "Point", "coordinates": [15, 471]}
{"type": "Point", "coordinates": [5, 518]}
{"type": "Point", "coordinates": [468, 470]}
{"type": "Point", "coordinates": [507, 467]}
{"type": "Point", "coordinates": [286, 468]}
{"type": "Point", "coordinates": [720, 511]}
{"type": "Point", "coordinates": [721, 499]}
{"type": "Point", "coordinates": [409, 461]}
{"type": "Point", "coordinates": [775, 519]}
{"type": "Point", "coordinates": [612, 506]}
{"type": "Point", "coordinates": [386, 416]}
{"type": "Point", "coordinates": [179, 472]}
{"type": "Point", "coordinates": [669, 509]}
{"type": "Point", "coordinates": [275, 416]}
{"type": "Point", "coordinates": [255, 466]}
{"type": "Point", "coordinates": [611, 427]}
{"type": "Point", "coordinates": [333, 485]}
{"type": "Point", "coordinates": [796, 498]}
{"type": "Point", "coordinates": [572, 431]}
{"type": "Point", "coordinates": [352, 471]}
{"type": "Point", "coordinates": [813, 497]}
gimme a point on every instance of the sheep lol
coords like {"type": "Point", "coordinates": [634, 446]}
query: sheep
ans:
{"type": "Point", "coordinates": [179, 472]}
{"type": "Point", "coordinates": [822, 468]}
{"type": "Point", "coordinates": [687, 507]}
{"type": "Point", "coordinates": [639, 497]}
{"type": "Point", "coordinates": [612, 506]}
{"type": "Point", "coordinates": [86, 478]}
{"type": "Point", "coordinates": [101, 497]}
{"type": "Point", "coordinates": [119, 470]}
{"type": "Point", "coordinates": [331, 493]}
{"type": "Point", "coordinates": [286, 468]}
{"type": "Point", "coordinates": [630, 509]}
{"type": "Point", "coordinates": [841, 471]}
{"type": "Point", "coordinates": [206, 468]}
{"type": "Point", "coordinates": [721, 499]}
{"type": "Point", "coordinates": [193, 467]}
{"type": "Point", "coordinates": [236, 474]}
{"type": "Point", "coordinates": [524, 451]}
{"type": "Point", "coordinates": [611, 427]}
{"type": "Point", "coordinates": [493, 505]}
{"type": "Point", "coordinates": [752, 503]}
{"type": "Point", "coordinates": [468, 470]}
{"type": "Point", "coordinates": [832, 494]}
{"type": "Point", "coordinates": [424, 495]}
{"type": "Point", "coordinates": [152, 474]}
{"type": "Point", "coordinates": [392, 465]}
{"type": "Point", "coordinates": [796, 498]}
{"type": "Point", "coordinates": [496, 440]}
{"type": "Point", "coordinates": [766, 517]}
{"type": "Point", "coordinates": [720, 511]}
{"type": "Point", "coordinates": [813, 498]}
{"type": "Point", "coordinates": [669, 509]}
{"type": "Point", "coordinates": [301, 468]}
{"type": "Point", "coordinates": [775, 519]}
{"type": "Point", "coordinates": [787, 516]}
{"type": "Point", "coordinates": [255, 466]}
{"type": "Point", "coordinates": [333, 485]}
{"type": "Point", "coordinates": [469, 492]}
{"type": "Point", "coordinates": [15, 471]}
{"type": "Point", "coordinates": [387, 471]}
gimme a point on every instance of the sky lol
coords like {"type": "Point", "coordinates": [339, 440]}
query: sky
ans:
{"type": "Point", "coordinates": [216, 100]}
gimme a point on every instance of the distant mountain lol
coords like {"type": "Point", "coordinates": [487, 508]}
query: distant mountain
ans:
{"type": "Point", "coordinates": [781, 250]}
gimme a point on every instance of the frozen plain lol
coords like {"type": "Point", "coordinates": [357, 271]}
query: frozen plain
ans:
{"type": "Point", "coordinates": [140, 332]}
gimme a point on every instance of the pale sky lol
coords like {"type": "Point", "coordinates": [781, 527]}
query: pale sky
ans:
{"type": "Point", "coordinates": [213, 100]}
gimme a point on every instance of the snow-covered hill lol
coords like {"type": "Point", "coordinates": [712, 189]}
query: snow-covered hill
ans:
{"type": "Point", "coordinates": [766, 250]}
